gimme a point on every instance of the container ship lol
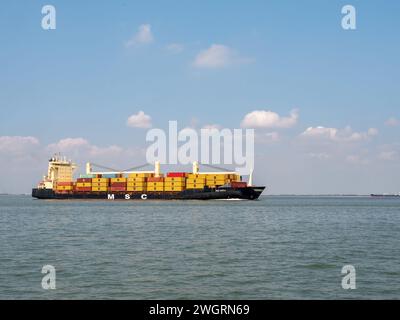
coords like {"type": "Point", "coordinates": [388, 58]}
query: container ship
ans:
{"type": "Point", "coordinates": [59, 184]}
{"type": "Point", "coordinates": [385, 195]}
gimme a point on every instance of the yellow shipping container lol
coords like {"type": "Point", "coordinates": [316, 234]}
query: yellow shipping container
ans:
{"type": "Point", "coordinates": [64, 188]}
{"type": "Point", "coordinates": [155, 184]}
{"type": "Point", "coordinates": [100, 184]}
{"type": "Point", "coordinates": [136, 179]}
{"type": "Point", "coordinates": [218, 182]}
{"type": "Point", "coordinates": [194, 176]}
{"type": "Point", "coordinates": [83, 184]}
{"type": "Point", "coordinates": [175, 184]}
{"type": "Point", "coordinates": [174, 179]}
{"type": "Point", "coordinates": [140, 175]}
{"type": "Point", "coordinates": [198, 180]}
{"type": "Point", "coordinates": [135, 189]}
{"type": "Point", "coordinates": [195, 186]}
{"type": "Point", "coordinates": [99, 180]}
{"type": "Point", "coordinates": [63, 180]}
{"type": "Point", "coordinates": [118, 180]}
{"type": "Point", "coordinates": [99, 189]}
{"type": "Point", "coordinates": [140, 184]}
{"type": "Point", "coordinates": [151, 188]}
{"type": "Point", "coordinates": [215, 185]}
{"type": "Point", "coordinates": [174, 188]}
{"type": "Point", "coordinates": [217, 176]}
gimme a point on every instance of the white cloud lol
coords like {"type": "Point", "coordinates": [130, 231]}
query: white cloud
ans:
{"type": "Point", "coordinates": [355, 159]}
{"type": "Point", "coordinates": [21, 163]}
{"type": "Point", "coordinates": [373, 132]}
{"type": "Point", "coordinates": [392, 122]}
{"type": "Point", "coordinates": [212, 126]}
{"type": "Point", "coordinates": [79, 147]}
{"type": "Point", "coordinates": [105, 151]}
{"type": "Point", "coordinates": [218, 56]}
{"type": "Point", "coordinates": [175, 48]}
{"type": "Point", "coordinates": [67, 144]}
{"type": "Point", "coordinates": [81, 151]}
{"type": "Point", "coordinates": [320, 132]}
{"type": "Point", "coordinates": [143, 36]}
{"type": "Point", "coordinates": [139, 120]}
{"type": "Point", "coordinates": [17, 145]}
{"type": "Point", "coordinates": [388, 155]}
{"type": "Point", "coordinates": [269, 137]}
{"type": "Point", "coordinates": [187, 131]}
{"type": "Point", "coordinates": [269, 119]}
{"type": "Point", "coordinates": [319, 156]}
{"type": "Point", "coordinates": [338, 135]}
{"type": "Point", "coordinates": [194, 122]}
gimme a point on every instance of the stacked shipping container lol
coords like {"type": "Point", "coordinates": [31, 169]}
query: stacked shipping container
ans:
{"type": "Point", "coordinates": [83, 185]}
{"type": "Point", "coordinates": [137, 182]}
{"type": "Point", "coordinates": [118, 184]}
{"type": "Point", "coordinates": [175, 181]}
{"type": "Point", "coordinates": [100, 184]}
{"type": "Point", "coordinates": [195, 181]}
{"type": "Point", "coordinates": [65, 186]}
{"type": "Point", "coordinates": [155, 184]}
{"type": "Point", "coordinates": [142, 182]}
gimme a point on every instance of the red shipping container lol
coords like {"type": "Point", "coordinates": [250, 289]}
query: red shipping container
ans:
{"type": "Point", "coordinates": [65, 184]}
{"type": "Point", "coordinates": [118, 184]}
{"type": "Point", "coordinates": [83, 189]}
{"type": "Point", "coordinates": [154, 179]}
{"type": "Point", "coordinates": [84, 180]}
{"type": "Point", "coordinates": [118, 189]}
{"type": "Point", "coordinates": [176, 174]}
{"type": "Point", "coordinates": [238, 184]}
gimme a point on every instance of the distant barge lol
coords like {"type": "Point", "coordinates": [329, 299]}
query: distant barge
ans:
{"type": "Point", "coordinates": [142, 185]}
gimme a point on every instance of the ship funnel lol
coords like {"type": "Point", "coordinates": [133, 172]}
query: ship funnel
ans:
{"type": "Point", "coordinates": [195, 167]}
{"type": "Point", "coordinates": [157, 169]}
{"type": "Point", "coordinates": [250, 183]}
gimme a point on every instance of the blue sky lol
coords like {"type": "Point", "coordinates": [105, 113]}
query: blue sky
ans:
{"type": "Point", "coordinates": [82, 81]}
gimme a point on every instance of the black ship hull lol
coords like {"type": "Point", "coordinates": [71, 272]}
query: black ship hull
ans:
{"type": "Point", "coordinates": [247, 193]}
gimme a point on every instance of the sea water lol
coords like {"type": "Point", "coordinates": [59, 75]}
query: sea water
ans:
{"type": "Point", "coordinates": [275, 248]}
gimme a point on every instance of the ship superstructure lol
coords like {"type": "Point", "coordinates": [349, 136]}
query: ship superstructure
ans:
{"type": "Point", "coordinates": [60, 170]}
